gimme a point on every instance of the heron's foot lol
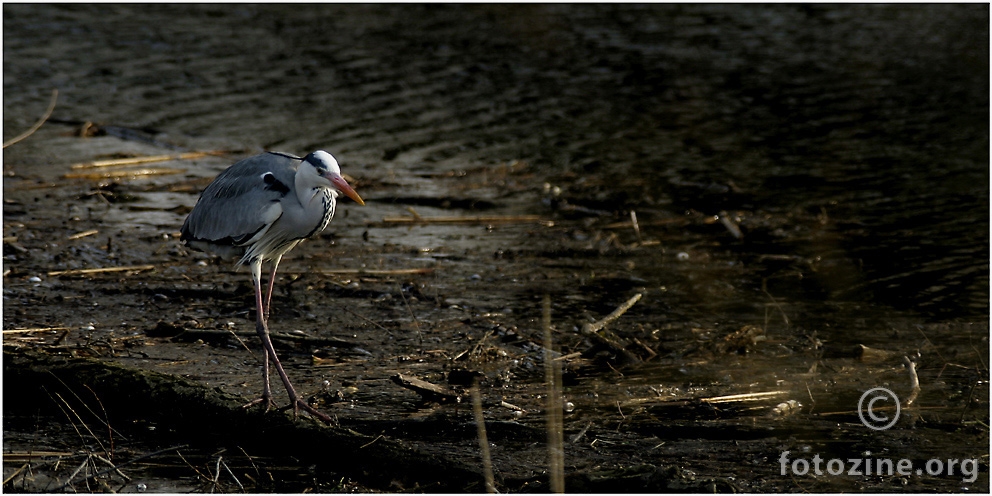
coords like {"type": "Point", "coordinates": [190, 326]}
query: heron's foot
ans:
{"type": "Point", "coordinates": [301, 404]}
{"type": "Point", "coordinates": [262, 400]}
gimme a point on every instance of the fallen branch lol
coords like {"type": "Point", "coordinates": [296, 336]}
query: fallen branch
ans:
{"type": "Point", "coordinates": [37, 125]}
{"type": "Point", "coordinates": [100, 270]}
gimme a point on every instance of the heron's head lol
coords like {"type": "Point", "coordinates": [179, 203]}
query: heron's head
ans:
{"type": "Point", "coordinates": [325, 171]}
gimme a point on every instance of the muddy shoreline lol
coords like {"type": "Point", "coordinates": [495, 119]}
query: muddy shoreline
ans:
{"type": "Point", "coordinates": [798, 193]}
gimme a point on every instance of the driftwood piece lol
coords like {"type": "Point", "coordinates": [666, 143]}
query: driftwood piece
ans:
{"type": "Point", "coordinates": [201, 414]}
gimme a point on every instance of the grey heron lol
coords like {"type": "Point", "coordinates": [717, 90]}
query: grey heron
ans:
{"type": "Point", "coordinates": [258, 210]}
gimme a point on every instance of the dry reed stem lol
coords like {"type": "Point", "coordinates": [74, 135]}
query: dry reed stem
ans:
{"type": "Point", "coordinates": [373, 272]}
{"type": "Point", "coordinates": [20, 456]}
{"type": "Point", "coordinates": [84, 234]}
{"type": "Point", "coordinates": [37, 125]}
{"type": "Point", "coordinates": [660, 222]}
{"type": "Point", "coordinates": [731, 226]}
{"type": "Point", "coordinates": [480, 422]}
{"type": "Point", "coordinates": [16, 472]}
{"type": "Point", "coordinates": [100, 270]}
{"type": "Point", "coordinates": [118, 466]}
{"type": "Point", "coordinates": [121, 162]}
{"type": "Point", "coordinates": [637, 228]}
{"type": "Point", "coordinates": [743, 397]}
{"type": "Point", "coordinates": [34, 329]}
{"type": "Point", "coordinates": [82, 422]}
{"type": "Point", "coordinates": [914, 381]}
{"type": "Point", "coordinates": [465, 219]}
{"type": "Point", "coordinates": [122, 173]}
{"type": "Point", "coordinates": [555, 422]}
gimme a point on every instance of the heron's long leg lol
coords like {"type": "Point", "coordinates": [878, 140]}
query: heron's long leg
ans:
{"type": "Point", "coordinates": [272, 283]}
{"type": "Point", "coordinates": [262, 328]}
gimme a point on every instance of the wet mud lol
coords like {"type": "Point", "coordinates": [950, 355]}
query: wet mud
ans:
{"type": "Point", "coordinates": [798, 194]}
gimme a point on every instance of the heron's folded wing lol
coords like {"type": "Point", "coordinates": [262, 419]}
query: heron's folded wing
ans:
{"type": "Point", "coordinates": [242, 202]}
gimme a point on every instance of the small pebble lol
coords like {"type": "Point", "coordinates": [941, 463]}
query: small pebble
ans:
{"type": "Point", "coordinates": [682, 256]}
{"type": "Point", "coordinates": [35, 279]}
{"type": "Point", "coordinates": [474, 277]}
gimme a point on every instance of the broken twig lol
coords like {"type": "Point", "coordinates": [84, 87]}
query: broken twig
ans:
{"type": "Point", "coordinates": [427, 390]}
{"type": "Point", "coordinates": [622, 309]}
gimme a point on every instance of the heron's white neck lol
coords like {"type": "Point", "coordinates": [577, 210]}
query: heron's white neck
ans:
{"type": "Point", "coordinates": [308, 188]}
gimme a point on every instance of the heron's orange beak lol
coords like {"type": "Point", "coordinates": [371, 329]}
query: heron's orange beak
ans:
{"type": "Point", "coordinates": [346, 188]}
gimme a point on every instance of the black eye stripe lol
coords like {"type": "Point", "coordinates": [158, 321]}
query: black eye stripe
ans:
{"type": "Point", "coordinates": [320, 166]}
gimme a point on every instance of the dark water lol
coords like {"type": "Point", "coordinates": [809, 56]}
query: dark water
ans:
{"type": "Point", "coordinates": [875, 116]}
{"type": "Point", "coordinates": [849, 144]}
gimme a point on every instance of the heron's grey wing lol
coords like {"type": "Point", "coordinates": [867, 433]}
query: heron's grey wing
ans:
{"type": "Point", "coordinates": [242, 201]}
